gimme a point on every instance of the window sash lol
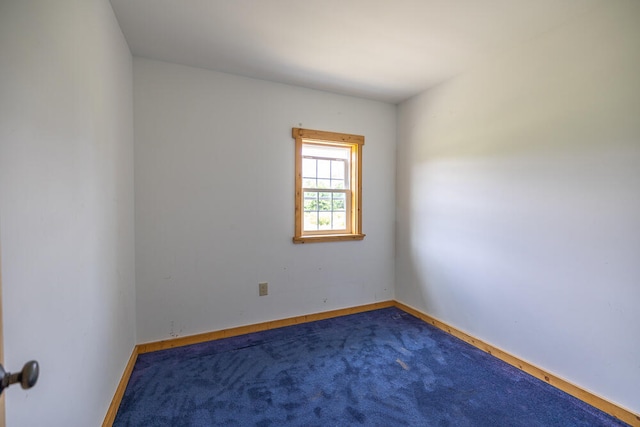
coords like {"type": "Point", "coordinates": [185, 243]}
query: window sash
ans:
{"type": "Point", "coordinates": [346, 173]}
{"type": "Point", "coordinates": [346, 212]}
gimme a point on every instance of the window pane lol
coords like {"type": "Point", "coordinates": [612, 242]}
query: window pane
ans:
{"type": "Point", "coordinates": [337, 184]}
{"type": "Point", "coordinates": [339, 221]}
{"type": "Point", "coordinates": [309, 183]}
{"type": "Point", "coordinates": [324, 204]}
{"type": "Point", "coordinates": [326, 151]}
{"type": "Point", "coordinates": [310, 205]}
{"type": "Point", "coordinates": [324, 183]}
{"type": "Point", "coordinates": [324, 221]}
{"type": "Point", "coordinates": [309, 168]}
{"type": "Point", "coordinates": [324, 168]}
{"type": "Point", "coordinates": [337, 169]}
{"type": "Point", "coordinates": [310, 201]}
{"type": "Point", "coordinates": [310, 221]}
{"type": "Point", "coordinates": [338, 202]}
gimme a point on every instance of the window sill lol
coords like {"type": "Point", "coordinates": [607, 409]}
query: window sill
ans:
{"type": "Point", "coordinates": [328, 238]}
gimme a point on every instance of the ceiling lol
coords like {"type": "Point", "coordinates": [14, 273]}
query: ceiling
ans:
{"type": "Point", "coordinates": [388, 50]}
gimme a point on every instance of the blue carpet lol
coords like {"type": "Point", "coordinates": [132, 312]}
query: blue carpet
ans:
{"type": "Point", "coordinates": [379, 368]}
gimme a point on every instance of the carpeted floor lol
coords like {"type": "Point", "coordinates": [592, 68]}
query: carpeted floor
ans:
{"type": "Point", "coordinates": [380, 368]}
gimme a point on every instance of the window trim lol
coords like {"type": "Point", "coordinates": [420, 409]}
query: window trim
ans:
{"type": "Point", "coordinates": [355, 143]}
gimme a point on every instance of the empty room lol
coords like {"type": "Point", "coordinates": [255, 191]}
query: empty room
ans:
{"type": "Point", "coordinates": [320, 212]}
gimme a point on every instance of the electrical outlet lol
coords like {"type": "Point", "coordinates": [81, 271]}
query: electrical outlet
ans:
{"type": "Point", "coordinates": [263, 289]}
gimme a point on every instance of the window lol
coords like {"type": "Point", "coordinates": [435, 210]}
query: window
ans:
{"type": "Point", "coordinates": [328, 186]}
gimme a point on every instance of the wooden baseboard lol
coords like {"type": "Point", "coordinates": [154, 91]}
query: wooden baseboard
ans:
{"type": "Point", "coordinates": [604, 405]}
{"type": "Point", "coordinates": [241, 330]}
{"type": "Point", "coordinates": [122, 386]}
{"type": "Point", "coordinates": [225, 333]}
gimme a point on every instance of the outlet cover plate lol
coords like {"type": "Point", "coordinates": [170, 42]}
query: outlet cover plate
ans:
{"type": "Point", "coordinates": [263, 289]}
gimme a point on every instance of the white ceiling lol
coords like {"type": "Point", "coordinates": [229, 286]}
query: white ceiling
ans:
{"type": "Point", "coordinates": [387, 50]}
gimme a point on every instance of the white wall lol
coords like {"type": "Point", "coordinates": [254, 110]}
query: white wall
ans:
{"type": "Point", "coordinates": [519, 202]}
{"type": "Point", "coordinates": [214, 202]}
{"type": "Point", "coordinates": [66, 207]}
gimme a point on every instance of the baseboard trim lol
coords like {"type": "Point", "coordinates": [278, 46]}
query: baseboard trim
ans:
{"type": "Point", "coordinates": [122, 386]}
{"type": "Point", "coordinates": [604, 405]}
{"type": "Point", "coordinates": [258, 327]}
{"type": "Point", "coordinates": [224, 333]}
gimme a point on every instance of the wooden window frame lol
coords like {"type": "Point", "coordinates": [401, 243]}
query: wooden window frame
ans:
{"type": "Point", "coordinates": [354, 215]}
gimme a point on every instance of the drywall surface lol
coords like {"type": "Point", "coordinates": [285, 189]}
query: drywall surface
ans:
{"type": "Point", "coordinates": [519, 202]}
{"type": "Point", "coordinates": [214, 182]}
{"type": "Point", "coordinates": [66, 207]}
